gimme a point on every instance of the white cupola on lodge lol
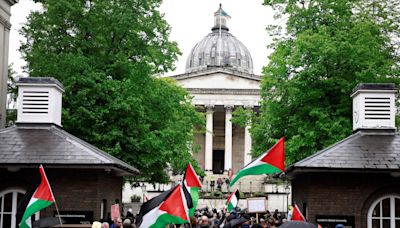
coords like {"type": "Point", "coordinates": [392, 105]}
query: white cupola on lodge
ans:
{"type": "Point", "coordinates": [374, 106]}
{"type": "Point", "coordinates": [39, 100]}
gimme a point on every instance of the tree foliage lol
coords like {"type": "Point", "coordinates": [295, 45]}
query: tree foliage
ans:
{"type": "Point", "coordinates": [12, 93]}
{"type": "Point", "coordinates": [106, 54]}
{"type": "Point", "coordinates": [325, 50]}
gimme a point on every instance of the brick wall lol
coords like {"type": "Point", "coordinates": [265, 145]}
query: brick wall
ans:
{"type": "Point", "coordinates": [74, 189]}
{"type": "Point", "coordinates": [341, 194]}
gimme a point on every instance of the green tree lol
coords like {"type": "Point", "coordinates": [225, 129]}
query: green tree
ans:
{"type": "Point", "coordinates": [107, 53]}
{"type": "Point", "coordinates": [12, 93]}
{"type": "Point", "coordinates": [325, 50]}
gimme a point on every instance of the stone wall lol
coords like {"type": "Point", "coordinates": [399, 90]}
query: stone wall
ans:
{"type": "Point", "coordinates": [237, 148]}
{"type": "Point", "coordinates": [339, 194]}
{"type": "Point", "coordinates": [200, 141]}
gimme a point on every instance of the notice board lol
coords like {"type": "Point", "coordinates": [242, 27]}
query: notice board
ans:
{"type": "Point", "coordinates": [256, 205]}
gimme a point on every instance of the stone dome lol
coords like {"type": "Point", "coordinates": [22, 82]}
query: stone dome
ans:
{"type": "Point", "coordinates": [220, 49]}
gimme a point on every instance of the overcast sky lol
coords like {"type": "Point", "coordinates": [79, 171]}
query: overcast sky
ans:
{"type": "Point", "coordinates": [190, 20]}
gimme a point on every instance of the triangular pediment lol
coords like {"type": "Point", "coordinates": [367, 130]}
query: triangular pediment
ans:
{"type": "Point", "coordinates": [219, 79]}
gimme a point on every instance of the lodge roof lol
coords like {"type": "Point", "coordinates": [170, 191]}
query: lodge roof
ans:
{"type": "Point", "coordinates": [28, 145]}
{"type": "Point", "coordinates": [376, 151]}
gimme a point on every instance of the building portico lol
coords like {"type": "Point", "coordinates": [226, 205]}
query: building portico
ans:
{"type": "Point", "coordinates": [224, 145]}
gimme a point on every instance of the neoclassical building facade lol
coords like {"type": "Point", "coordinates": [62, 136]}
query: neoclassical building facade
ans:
{"type": "Point", "coordinates": [219, 76]}
{"type": "Point", "coordinates": [5, 26]}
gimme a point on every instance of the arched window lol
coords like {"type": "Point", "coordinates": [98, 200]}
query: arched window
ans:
{"type": "Point", "coordinates": [385, 212]}
{"type": "Point", "coordinates": [8, 207]}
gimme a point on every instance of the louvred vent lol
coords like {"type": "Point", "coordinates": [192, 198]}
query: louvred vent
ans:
{"type": "Point", "coordinates": [377, 108]}
{"type": "Point", "coordinates": [35, 102]}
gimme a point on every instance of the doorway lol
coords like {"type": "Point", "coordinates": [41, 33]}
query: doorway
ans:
{"type": "Point", "coordinates": [218, 161]}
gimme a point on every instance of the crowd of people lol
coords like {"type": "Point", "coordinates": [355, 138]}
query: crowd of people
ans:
{"type": "Point", "coordinates": [218, 218]}
{"type": "Point", "coordinates": [213, 218]}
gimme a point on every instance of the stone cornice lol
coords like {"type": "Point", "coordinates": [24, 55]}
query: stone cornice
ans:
{"type": "Point", "coordinates": [224, 91]}
{"type": "Point", "coordinates": [217, 70]}
{"type": "Point", "coordinates": [12, 2]}
{"type": "Point", "coordinates": [5, 22]}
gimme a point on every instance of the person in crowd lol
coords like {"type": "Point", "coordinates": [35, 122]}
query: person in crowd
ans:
{"type": "Point", "coordinates": [129, 214]}
{"type": "Point", "coordinates": [263, 223]}
{"type": "Point", "coordinates": [212, 184]}
{"type": "Point", "coordinates": [117, 223]}
{"type": "Point", "coordinates": [105, 225]}
{"type": "Point", "coordinates": [271, 223]}
{"type": "Point", "coordinates": [127, 223]}
{"type": "Point", "coordinates": [193, 222]}
{"type": "Point", "coordinates": [204, 221]}
{"type": "Point", "coordinates": [289, 217]}
{"type": "Point", "coordinates": [219, 184]}
{"type": "Point", "coordinates": [96, 224]}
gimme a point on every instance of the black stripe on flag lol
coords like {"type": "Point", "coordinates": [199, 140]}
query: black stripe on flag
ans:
{"type": "Point", "coordinates": [188, 197]}
{"type": "Point", "coordinates": [237, 194]}
{"type": "Point", "coordinates": [151, 204]}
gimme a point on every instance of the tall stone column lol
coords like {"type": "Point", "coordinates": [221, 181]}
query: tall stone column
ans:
{"type": "Point", "coordinates": [209, 138]}
{"type": "Point", "coordinates": [5, 26]}
{"type": "Point", "coordinates": [228, 137]}
{"type": "Point", "coordinates": [247, 143]}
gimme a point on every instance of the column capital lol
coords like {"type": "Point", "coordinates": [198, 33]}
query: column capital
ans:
{"type": "Point", "coordinates": [228, 107]}
{"type": "Point", "coordinates": [209, 107]}
{"type": "Point", "coordinates": [248, 106]}
{"type": "Point", "coordinates": [5, 23]}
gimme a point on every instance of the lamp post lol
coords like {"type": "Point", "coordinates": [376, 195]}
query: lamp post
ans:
{"type": "Point", "coordinates": [143, 186]}
{"type": "Point", "coordinates": [251, 192]}
{"type": "Point", "coordinates": [287, 190]}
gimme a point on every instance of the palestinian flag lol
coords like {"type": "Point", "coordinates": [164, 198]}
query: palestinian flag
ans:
{"type": "Point", "coordinates": [272, 161]}
{"type": "Point", "coordinates": [233, 201]}
{"type": "Point", "coordinates": [193, 185]}
{"type": "Point", "coordinates": [297, 215]}
{"type": "Point", "coordinates": [41, 198]}
{"type": "Point", "coordinates": [171, 206]}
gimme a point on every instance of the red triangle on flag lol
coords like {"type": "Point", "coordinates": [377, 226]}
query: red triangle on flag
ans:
{"type": "Point", "coordinates": [235, 193]}
{"type": "Point", "coordinates": [44, 192]}
{"type": "Point", "coordinates": [173, 205]}
{"type": "Point", "coordinates": [276, 155]}
{"type": "Point", "coordinates": [297, 215]}
{"type": "Point", "coordinates": [191, 178]}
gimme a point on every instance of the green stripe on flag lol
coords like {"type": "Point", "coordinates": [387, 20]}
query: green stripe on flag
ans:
{"type": "Point", "coordinates": [166, 219]}
{"type": "Point", "coordinates": [256, 170]}
{"type": "Point", "coordinates": [230, 207]}
{"type": "Point", "coordinates": [194, 193]}
{"type": "Point", "coordinates": [36, 206]}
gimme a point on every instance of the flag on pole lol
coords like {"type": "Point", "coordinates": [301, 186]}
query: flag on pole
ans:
{"type": "Point", "coordinates": [297, 215]}
{"type": "Point", "coordinates": [171, 206]}
{"type": "Point", "coordinates": [222, 13]}
{"type": "Point", "coordinates": [233, 200]}
{"type": "Point", "coordinates": [193, 185]}
{"type": "Point", "coordinates": [41, 198]}
{"type": "Point", "coordinates": [272, 161]}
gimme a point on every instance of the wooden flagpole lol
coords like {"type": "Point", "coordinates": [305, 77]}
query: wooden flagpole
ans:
{"type": "Point", "coordinates": [51, 190]}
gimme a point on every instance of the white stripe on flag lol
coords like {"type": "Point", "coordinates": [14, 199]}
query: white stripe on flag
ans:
{"type": "Point", "coordinates": [234, 201]}
{"type": "Point", "coordinates": [151, 217]}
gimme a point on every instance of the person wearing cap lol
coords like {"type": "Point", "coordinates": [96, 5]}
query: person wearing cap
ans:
{"type": "Point", "coordinates": [129, 214]}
